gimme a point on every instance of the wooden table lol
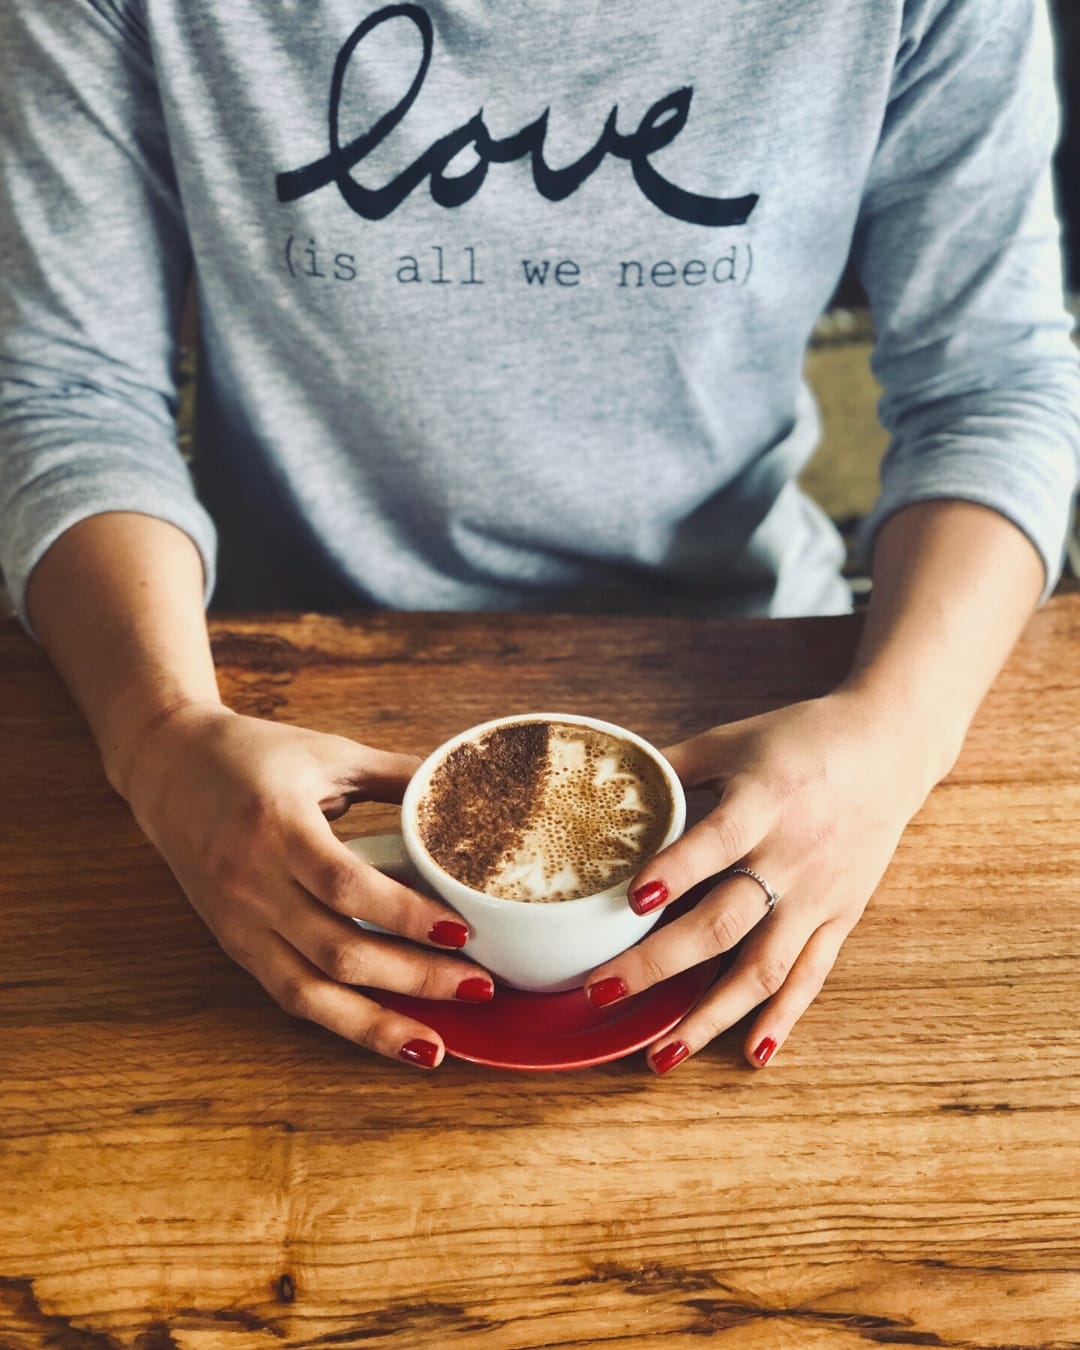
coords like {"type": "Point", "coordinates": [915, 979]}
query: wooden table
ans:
{"type": "Point", "coordinates": [183, 1166]}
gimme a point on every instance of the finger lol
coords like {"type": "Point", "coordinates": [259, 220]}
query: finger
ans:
{"type": "Point", "coordinates": [760, 971]}
{"type": "Point", "coordinates": [699, 760]}
{"type": "Point", "coordinates": [718, 922]}
{"type": "Point", "coordinates": [330, 872]}
{"type": "Point", "coordinates": [771, 1028]}
{"type": "Point", "coordinates": [304, 992]}
{"type": "Point", "coordinates": [746, 813]}
{"type": "Point", "coordinates": [340, 949]}
{"type": "Point", "coordinates": [367, 774]}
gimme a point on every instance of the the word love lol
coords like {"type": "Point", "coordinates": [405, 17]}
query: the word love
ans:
{"type": "Point", "coordinates": [660, 125]}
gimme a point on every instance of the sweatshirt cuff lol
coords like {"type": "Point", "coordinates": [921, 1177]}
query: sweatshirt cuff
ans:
{"type": "Point", "coordinates": [1036, 495]}
{"type": "Point", "coordinates": [39, 516]}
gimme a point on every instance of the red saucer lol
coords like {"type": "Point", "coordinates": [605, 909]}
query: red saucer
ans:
{"type": "Point", "coordinates": [537, 1032]}
{"type": "Point", "coordinates": [517, 1030]}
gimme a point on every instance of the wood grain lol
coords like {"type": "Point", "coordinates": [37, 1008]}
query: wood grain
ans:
{"type": "Point", "coordinates": [183, 1167]}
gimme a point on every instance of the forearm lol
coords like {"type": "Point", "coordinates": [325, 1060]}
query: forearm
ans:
{"type": "Point", "coordinates": [117, 602]}
{"type": "Point", "coordinates": [954, 585]}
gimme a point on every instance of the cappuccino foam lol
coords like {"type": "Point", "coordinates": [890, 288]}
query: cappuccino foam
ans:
{"type": "Point", "coordinates": [543, 811]}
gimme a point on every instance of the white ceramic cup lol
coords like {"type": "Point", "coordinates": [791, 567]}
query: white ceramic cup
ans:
{"type": "Point", "coordinates": [544, 947]}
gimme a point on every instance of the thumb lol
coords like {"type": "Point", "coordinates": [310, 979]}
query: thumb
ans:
{"type": "Point", "coordinates": [363, 773]}
{"type": "Point", "coordinates": [702, 760]}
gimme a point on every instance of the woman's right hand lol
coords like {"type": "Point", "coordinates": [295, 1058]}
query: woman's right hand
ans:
{"type": "Point", "coordinates": [240, 810]}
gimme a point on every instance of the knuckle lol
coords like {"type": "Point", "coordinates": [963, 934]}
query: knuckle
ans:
{"type": "Point", "coordinates": [234, 943]}
{"type": "Point", "coordinates": [768, 974]}
{"type": "Point", "coordinates": [821, 837]}
{"type": "Point", "coordinates": [650, 970]}
{"type": "Point", "coordinates": [225, 864]}
{"type": "Point", "coordinates": [253, 812]}
{"type": "Point", "coordinates": [337, 882]}
{"type": "Point", "coordinates": [725, 929]}
{"type": "Point", "coordinates": [728, 832]}
{"type": "Point", "coordinates": [338, 958]}
{"type": "Point", "coordinates": [381, 1032]}
{"type": "Point", "coordinates": [294, 997]}
{"type": "Point", "coordinates": [786, 785]}
{"type": "Point", "coordinates": [812, 978]}
{"type": "Point", "coordinates": [707, 1024]}
{"type": "Point", "coordinates": [424, 981]}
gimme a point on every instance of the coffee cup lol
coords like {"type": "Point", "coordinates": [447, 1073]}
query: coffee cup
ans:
{"type": "Point", "coordinates": [531, 827]}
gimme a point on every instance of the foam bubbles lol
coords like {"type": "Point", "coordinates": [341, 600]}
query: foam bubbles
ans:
{"type": "Point", "coordinates": [543, 811]}
{"type": "Point", "coordinates": [602, 807]}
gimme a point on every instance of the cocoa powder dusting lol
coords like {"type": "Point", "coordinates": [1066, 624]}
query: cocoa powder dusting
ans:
{"type": "Point", "coordinates": [481, 798]}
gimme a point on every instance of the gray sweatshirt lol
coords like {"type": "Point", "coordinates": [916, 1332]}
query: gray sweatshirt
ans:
{"type": "Point", "coordinates": [505, 305]}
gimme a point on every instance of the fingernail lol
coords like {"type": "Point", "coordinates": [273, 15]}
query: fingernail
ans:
{"type": "Point", "coordinates": [606, 991]}
{"type": "Point", "coordinates": [665, 1060]}
{"type": "Point", "coordinates": [447, 933]}
{"type": "Point", "coordinates": [648, 897]}
{"type": "Point", "coordinates": [475, 990]}
{"type": "Point", "coordinates": [765, 1050]}
{"type": "Point", "coordinates": [424, 1053]}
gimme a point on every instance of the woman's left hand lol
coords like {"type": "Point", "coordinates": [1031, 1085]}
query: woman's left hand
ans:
{"type": "Point", "coordinates": [813, 798]}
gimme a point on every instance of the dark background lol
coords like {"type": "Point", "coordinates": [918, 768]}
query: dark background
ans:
{"type": "Point", "coordinates": [1067, 17]}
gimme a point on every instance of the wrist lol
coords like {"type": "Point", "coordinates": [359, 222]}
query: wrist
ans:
{"type": "Point", "coordinates": [921, 729]}
{"type": "Point", "coordinates": [954, 584]}
{"type": "Point", "coordinates": [126, 749]}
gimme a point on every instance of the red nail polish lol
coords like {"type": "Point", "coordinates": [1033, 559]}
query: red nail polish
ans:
{"type": "Point", "coordinates": [665, 1060]}
{"type": "Point", "coordinates": [475, 990]}
{"type": "Point", "coordinates": [447, 933]}
{"type": "Point", "coordinates": [765, 1050]}
{"type": "Point", "coordinates": [648, 897]}
{"type": "Point", "coordinates": [424, 1053]}
{"type": "Point", "coordinates": [607, 991]}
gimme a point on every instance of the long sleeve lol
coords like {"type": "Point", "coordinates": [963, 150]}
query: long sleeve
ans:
{"type": "Point", "coordinates": [958, 247]}
{"type": "Point", "coordinates": [93, 264]}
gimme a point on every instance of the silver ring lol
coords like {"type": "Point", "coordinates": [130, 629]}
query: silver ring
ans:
{"type": "Point", "coordinates": [771, 896]}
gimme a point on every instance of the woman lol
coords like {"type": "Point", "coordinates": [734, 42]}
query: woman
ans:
{"type": "Point", "coordinates": [506, 308]}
